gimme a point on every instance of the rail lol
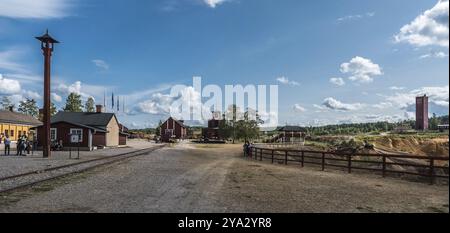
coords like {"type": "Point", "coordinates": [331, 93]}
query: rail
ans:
{"type": "Point", "coordinates": [410, 164]}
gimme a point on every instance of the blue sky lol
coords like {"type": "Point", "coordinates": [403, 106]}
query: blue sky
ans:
{"type": "Point", "coordinates": [335, 61]}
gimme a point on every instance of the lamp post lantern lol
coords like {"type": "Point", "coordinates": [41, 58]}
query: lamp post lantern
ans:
{"type": "Point", "coordinates": [47, 43]}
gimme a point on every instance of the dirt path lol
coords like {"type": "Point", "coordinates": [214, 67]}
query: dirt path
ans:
{"type": "Point", "coordinates": [214, 178]}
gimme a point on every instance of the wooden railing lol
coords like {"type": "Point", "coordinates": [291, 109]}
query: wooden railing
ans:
{"type": "Point", "coordinates": [420, 165]}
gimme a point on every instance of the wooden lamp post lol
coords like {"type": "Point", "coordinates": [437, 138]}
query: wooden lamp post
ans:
{"type": "Point", "coordinates": [47, 43]}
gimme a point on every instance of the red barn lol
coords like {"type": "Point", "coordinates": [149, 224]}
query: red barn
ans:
{"type": "Point", "coordinates": [172, 129]}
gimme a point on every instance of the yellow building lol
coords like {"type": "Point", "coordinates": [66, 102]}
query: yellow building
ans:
{"type": "Point", "coordinates": [16, 124]}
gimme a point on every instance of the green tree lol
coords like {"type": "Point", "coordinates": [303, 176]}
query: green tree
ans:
{"type": "Point", "coordinates": [73, 103]}
{"type": "Point", "coordinates": [247, 128]}
{"type": "Point", "coordinates": [89, 105]}
{"type": "Point", "coordinates": [53, 110]}
{"type": "Point", "coordinates": [29, 107]}
{"type": "Point", "coordinates": [434, 122]}
{"type": "Point", "coordinates": [157, 130]}
{"type": "Point", "coordinates": [6, 103]}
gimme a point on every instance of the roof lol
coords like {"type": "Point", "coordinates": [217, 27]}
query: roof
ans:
{"type": "Point", "coordinates": [82, 126]}
{"type": "Point", "coordinates": [92, 119]}
{"type": "Point", "coordinates": [177, 121]}
{"type": "Point", "coordinates": [17, 118]}
{"type": "Point", "coordinates": [291, 129]}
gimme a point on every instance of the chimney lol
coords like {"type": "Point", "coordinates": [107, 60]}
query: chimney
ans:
{"type": "Point", "coordinates": [99, 108]}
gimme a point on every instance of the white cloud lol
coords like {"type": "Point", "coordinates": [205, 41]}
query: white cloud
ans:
{"type": "Point", "coordinates": [214, 3]}
{"type": "Point", "coordinates": [286, 81]}
{"type": "Point", "coordinates": [9, 86]}
{"type": "Point", "coordinates": [438, 99]}
{"type": "Point", "coordinates": [57, 98]}
{"type": "Point", "coordinates": [31, 95]}
{"type": "Point", "coordinates": [355, 17]}
{"type": "Point", "coordinates": [434, 55]}
{"type": "Point", "coordinates": [396, 88]}
{"type": "Point", "coordinates": [429, 28]}
{"type": "Point", "coordinates": [361, 69]}
{"type": "Point", "coordinates": [383, 105]}
{"type": "Point", "coordinates": [299, 108]}
{"type": "Point", "coordinates": [161, 104]}
{"type": "Point", "coordinates": [34, 9]}
{"type": "Point", "coordinates": [8, 60]}
{"type": "Point", "coordinates": [334, 104]}
{"type": "Point", "coordinates": [337, 81]}
{"type": "Point", "coordinates": [101, 64]}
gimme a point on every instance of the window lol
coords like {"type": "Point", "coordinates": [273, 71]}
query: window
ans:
{"type": "Point", "coordinates": [6, 132]}
{"type": "Point", "coordinates": [169, 132]}
{"type": "Point", "coordinates": [78, 132]}
{"type": "Point", "coordinates": [53, 134]}
{"type": "Point", "coordinates": [12, 133]}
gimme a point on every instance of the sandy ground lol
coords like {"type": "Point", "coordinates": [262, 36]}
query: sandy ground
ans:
{"type": "Point", "coordinates": [215, 178]}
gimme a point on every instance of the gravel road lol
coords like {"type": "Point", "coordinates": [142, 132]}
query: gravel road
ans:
{"type": "Point", "coordinates": [215, 178]}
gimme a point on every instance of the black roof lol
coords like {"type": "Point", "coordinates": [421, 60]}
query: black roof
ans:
{"type": "Point", "coordinates": [18, 118]}
{"type": "Point", "coordinates": [93, 119]}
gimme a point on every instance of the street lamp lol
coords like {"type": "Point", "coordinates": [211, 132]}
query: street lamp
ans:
{"type": "Point", "coordinates": [47, 43]}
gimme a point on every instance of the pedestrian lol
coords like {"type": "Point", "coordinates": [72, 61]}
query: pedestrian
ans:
{"type": "Point", "coordinates": [250, 150]}
{"type": "Point", "coordinates": [19, 146]}
{"type": "Point", "coordinates": [29, 147]}
{"type": "Point", "coordinates": [245, 149]}
{"type": "Point", "coordinates": [7, 145]}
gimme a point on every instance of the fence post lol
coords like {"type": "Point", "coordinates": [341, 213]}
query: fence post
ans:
{"type": "Point", "coordinates": [261, 155]}
{"type": "Point", "coordinates": [384, 165]}
{"type": "Point", "coordinates": [323, 161]}
{"type": "Point", "coordinates": [303, 159]}
{"type": "Point", "coordinates": [431, 171]}
{"type": "Point", "coordinates": [286, 158]}
{"type": "Point", "coordinates": [349, 159]}
{"type": "Point", "coordinates": [272, 154]}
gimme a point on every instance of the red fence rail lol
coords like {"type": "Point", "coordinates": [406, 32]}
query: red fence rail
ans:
{"type": "Point", "coordinates": [420, 165]}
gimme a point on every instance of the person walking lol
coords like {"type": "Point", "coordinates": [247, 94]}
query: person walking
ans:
{"type": "Point", "coordinates": [7, 145]}
{"type": "Point", "coordinates": [18, 146]}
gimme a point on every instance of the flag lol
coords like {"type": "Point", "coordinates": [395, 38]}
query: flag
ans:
{"type": "Point", "coordinates": [112, 101]}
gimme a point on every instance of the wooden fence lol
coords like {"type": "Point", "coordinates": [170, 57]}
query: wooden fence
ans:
{"type": "Point", "coordinates": [410, 164]}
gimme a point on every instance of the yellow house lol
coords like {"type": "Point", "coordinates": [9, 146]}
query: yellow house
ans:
{"type": "Point", "coordinates": [16, 124]}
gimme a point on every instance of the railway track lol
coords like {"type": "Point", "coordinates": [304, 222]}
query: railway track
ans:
{"type": "Point", "coordinates": [28, 179]}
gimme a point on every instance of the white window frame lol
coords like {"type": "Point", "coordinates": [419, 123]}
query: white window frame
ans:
{"type": "Point", "coordinates": [74, 131]}
{"type": "Point", "coordinates": [56, 134]}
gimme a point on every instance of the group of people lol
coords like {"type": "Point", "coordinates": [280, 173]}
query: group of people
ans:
{"type": "Point", "coordinates": [248, 147]}
{"type": "Point", "coordinates": [22, 145]}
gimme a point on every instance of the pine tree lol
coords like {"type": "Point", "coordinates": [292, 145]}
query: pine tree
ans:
{"type": "Point", "coordinates": [29, 107]}
{"type": "Point", "coordinates": [73, 103]}
{"type": "Point", "coordinates": [89, 105]}
{"type": "Point", "coordinates": [6, 103]}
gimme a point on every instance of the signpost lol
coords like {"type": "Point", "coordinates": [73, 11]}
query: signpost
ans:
{"type": "Point", "coordinates": [75, 139]}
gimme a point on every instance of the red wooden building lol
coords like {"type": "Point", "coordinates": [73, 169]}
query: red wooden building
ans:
{"type": "Point", "coordinates": [96, 129]}
{"type": "Point", "coordinates": [172, 130]}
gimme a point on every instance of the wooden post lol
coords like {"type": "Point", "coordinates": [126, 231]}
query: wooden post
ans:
{"type": "Point", "coordinates": [349, 160]}
{"type": "Point", "coordinates": [261, 155]}
{"type": "Point", "coordinates": [286, 158]}
{"type": "Point", "coordinates": [323, 161]}
{"type": "Point", "coordinates": [431, 171]}
{"type": "Point", "coordinates": [272, 154]}
{"type": "Point", "coordinates": [303, 159]}
{"type": "Point", "coordinates": [384, 165]}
